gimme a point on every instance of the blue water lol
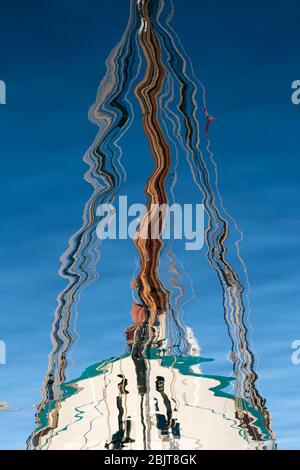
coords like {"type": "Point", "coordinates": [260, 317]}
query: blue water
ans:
{"type": "Point", "coordinates": [52, 59]}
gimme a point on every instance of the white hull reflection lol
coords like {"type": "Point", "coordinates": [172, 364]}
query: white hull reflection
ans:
{"type": "Point", "coordinates": [107, 409]}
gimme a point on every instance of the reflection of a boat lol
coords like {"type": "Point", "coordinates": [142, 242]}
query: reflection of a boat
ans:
{"type": "Point", "coordinates": [180, 409]}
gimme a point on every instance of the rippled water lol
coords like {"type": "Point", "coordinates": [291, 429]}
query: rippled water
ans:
{"type": "Point", "coordinates": [153, 346]}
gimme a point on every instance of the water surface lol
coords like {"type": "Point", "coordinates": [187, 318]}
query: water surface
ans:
{"type": "Point", "coordinates": [245, 57]}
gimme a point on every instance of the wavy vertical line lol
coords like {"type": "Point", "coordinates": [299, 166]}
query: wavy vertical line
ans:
{"type": "Point", "coordinates": [151, 290]}
{"type": "Point", "coordinates": [113, 114]}
{"type": "Point", "coordinates": [218, 227]}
